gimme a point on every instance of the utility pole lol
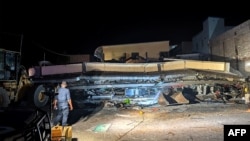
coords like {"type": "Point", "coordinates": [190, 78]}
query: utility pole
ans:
{"type": "Point", "coordinates": [21, 46]}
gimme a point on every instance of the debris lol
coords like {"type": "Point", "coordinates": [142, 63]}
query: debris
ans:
{"type": "Point", "coordinates": [141, 112]}
{"type": "Point", "coordinates": [127, 101]}
{"type": "Point", "coordinates": [102, 127]}
{"type": "Point", "coordinates": [137, 108]}
{"type": "Point", "coordinates": [155, 109]}
{"type": "Point", "coordinates": [127, 116]}
{"type": "Point", "coordinates": [108, 104]}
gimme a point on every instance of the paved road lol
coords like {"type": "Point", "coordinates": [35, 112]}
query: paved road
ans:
{"type": "Point", "coordinates": [193, 122]}
{"type": "Point", "coordinates": [199, 121]}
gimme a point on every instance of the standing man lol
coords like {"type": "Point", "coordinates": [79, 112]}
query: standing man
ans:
{"type": "Point", "coordinates": [63, 104]}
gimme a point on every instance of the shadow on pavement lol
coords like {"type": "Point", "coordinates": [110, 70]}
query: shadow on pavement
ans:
{"type": "Point", "coordinates": [84, 113]}
{"type": "Point", "coordinates": [82, 108]}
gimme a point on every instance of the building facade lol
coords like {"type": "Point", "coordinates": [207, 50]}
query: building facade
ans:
{"type": "Point", "coordinates": [233, 46]}
{"type": "Point", "coordinates": [212, 27]}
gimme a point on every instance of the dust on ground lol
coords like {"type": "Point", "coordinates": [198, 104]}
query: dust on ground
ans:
{"type": "Point", "coordinates": [187, 122]}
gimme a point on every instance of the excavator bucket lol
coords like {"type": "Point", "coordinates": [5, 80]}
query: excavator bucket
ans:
{"type": "Point", "coordinates": [179, 98]}
{"type": "Point", "coordinates": [162, 100]}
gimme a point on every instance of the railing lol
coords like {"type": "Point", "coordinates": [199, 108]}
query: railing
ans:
{"type": "Point", "coordinates": [38, 128]}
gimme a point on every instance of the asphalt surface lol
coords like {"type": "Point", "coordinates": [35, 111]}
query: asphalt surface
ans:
{"type": "Point", "coordinates": [87, 115]}
{"type": "Point", "coordinates": [16, 118]}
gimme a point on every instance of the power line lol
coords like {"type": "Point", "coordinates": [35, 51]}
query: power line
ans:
{"type": "Point", "coordinates": [49, 50]}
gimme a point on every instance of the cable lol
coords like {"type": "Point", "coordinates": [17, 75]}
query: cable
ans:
{"type": "Point", "coordinates": [48, 50]}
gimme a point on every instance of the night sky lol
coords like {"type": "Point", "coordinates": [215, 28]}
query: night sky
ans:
{"type": "Point", "coordinates": [79, 28]}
